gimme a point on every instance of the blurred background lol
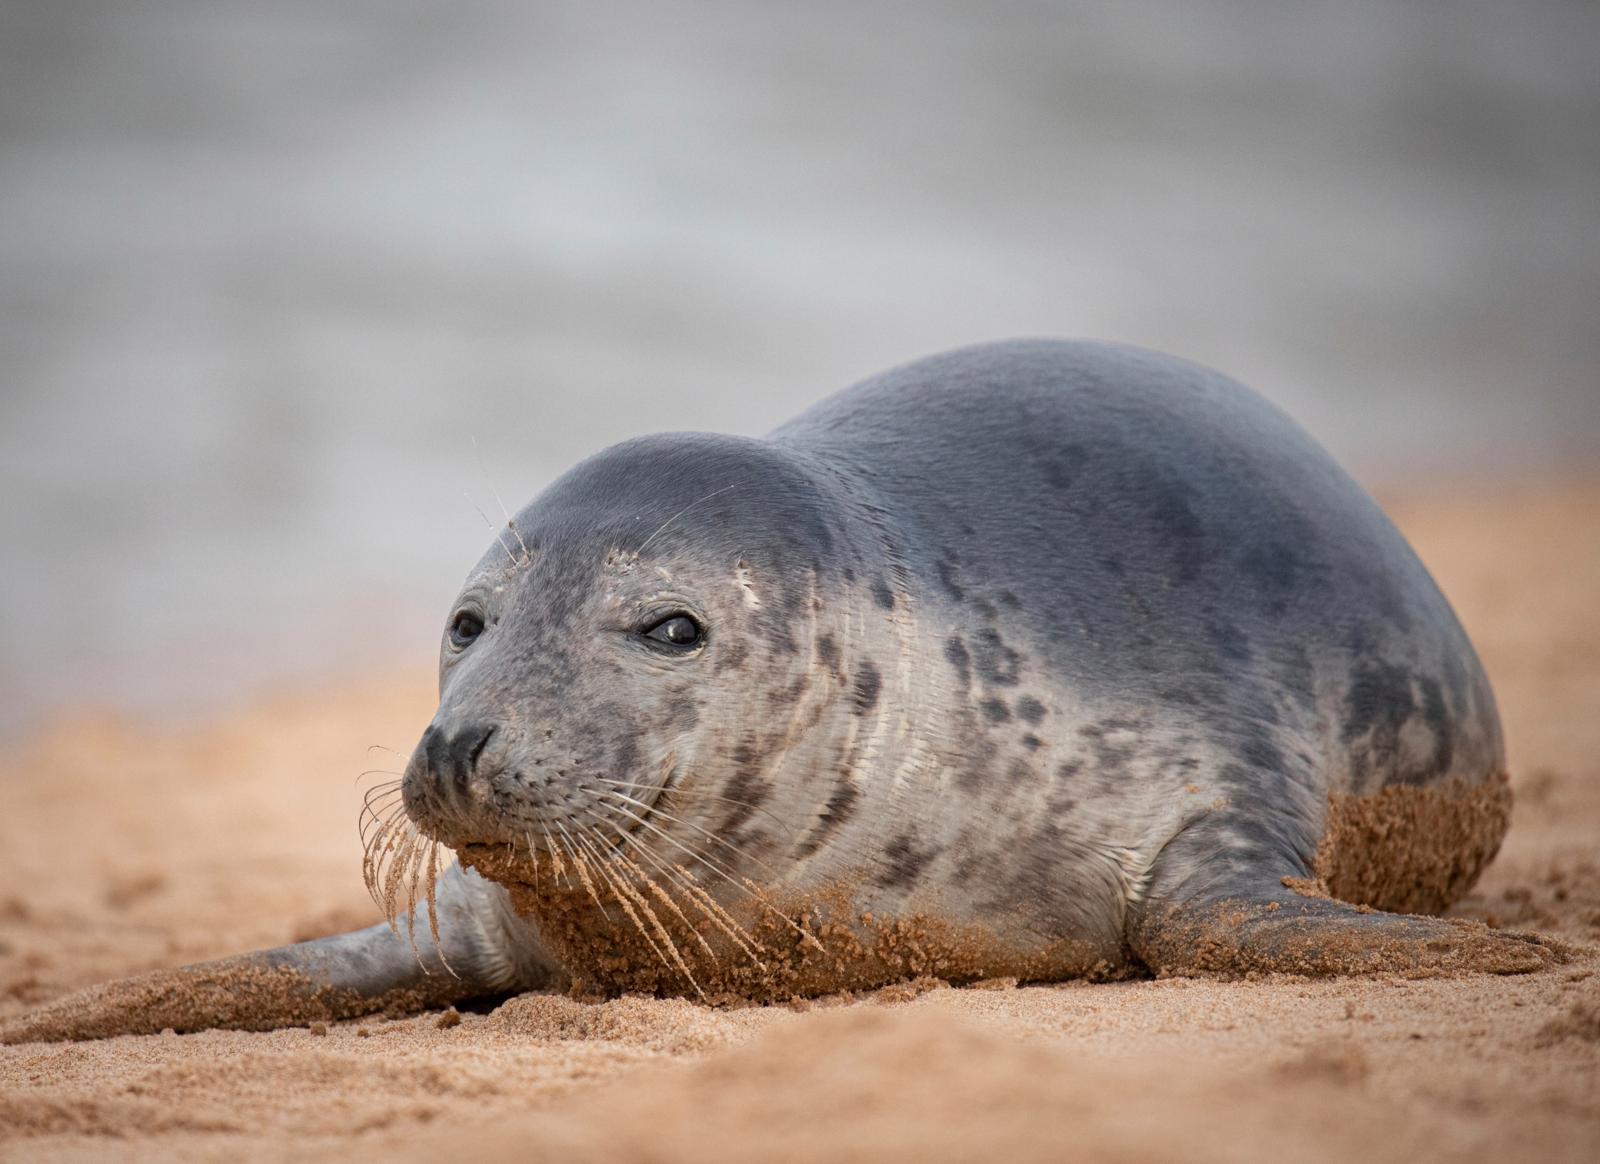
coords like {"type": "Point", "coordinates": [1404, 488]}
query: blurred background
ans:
{"type": "Point", "coordinates": [289, 290]}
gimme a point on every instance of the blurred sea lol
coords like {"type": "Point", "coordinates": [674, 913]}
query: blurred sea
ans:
{"type": "Point", "coordinates": [275, 278]}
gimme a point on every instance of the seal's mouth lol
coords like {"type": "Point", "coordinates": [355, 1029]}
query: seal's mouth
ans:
{"type": "Point", "coordinates": [622, 813]}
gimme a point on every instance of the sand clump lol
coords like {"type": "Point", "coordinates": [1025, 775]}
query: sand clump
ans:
{"type": "Point", "coordinates": [128, 848]}
{"type": "Point", "coordinates": [769, 947]}
{"type": "Point", "coordinates": [1412, 850]}
{"type": "Point", "coordinates": [668, 1025]}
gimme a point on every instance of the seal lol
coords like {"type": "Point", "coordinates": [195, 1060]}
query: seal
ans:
{"type": "Point", "coordinates": [1036, 659]}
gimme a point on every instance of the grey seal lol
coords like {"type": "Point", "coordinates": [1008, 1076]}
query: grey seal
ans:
{"type": "Point", "coordinates": [1035, 659]}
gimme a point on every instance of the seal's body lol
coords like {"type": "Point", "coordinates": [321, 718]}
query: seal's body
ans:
{"type": "Point", "coordinates": [1034, 659]}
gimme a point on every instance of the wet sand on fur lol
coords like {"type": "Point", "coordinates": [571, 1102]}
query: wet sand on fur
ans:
{"type": "Point", "coordinates": [125, 847]}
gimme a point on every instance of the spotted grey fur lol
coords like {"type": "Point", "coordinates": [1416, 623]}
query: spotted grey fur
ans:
{"type": "Point", "coordinates": [1053, 640]}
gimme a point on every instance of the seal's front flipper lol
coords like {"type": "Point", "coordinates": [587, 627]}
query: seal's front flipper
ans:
{"type": "Point", "coordinates": [1220, 901]}
{"type": "Point", "coordinates": [482, 949]}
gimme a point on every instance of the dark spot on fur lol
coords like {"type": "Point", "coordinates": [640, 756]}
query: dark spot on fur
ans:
{"type": "Point", "coordinates": [1181, 530]}
{"type": "Point", "coordinates": [1438, 719]}
{"type": "Point", "coordinates": [1030, 709]}
{"type": "Point", "coordinates": [995, 710]}
{"type": "Point", "coordinates": [974, 777]}
{"type": "Point", "coordinates": [1069, 769]}
{"type": "Point", "coordinates": [1231, 642]}
{"type": "Point", "coordinates": [986, 608]}
{"type": "Point", "coordinates": [881, 594]}
{"type": "Point", "coordinates": [1059, 465]}
{"type": "Point", "coordinates": [780, 641]}
{"type": "Point", "coordinates": [1262, 753]}
{"type": "Point", "coordinates": [841, 807]}
{"type": "Point", "coordinates": [1009, 599]}
{"type": "Point", "coordinates": [1377, 705]}
{"type": "Point", "coordinates": [626, 757]}
{"type": "Point", "coordinates": [956, 651]}
{"type": "Point", "coordinates": [747, 790]}
{"type": "Point", "coordinates": [1275, 568]}
{"type": "Point", "coordinates": [905, 862]}
{"type": "Point", "coordinates": [994, 661]}
{"type": "Point", "coordinates": [732, 655]}
{"type": "Point", "coordinates": [1113, 757]}
{"type": "Point", "coordinates": [828, 651]}
{"type": "Point", "coordinates": [791, 694]}
{"type": "Point", "coordinates": [866, 690]}
{"type": "Point", "coordinates": [682, 714]}
{"type": "Point", "coordinates": [1032, 742]}
{"type": "Point", "coordinates": [947, 579]}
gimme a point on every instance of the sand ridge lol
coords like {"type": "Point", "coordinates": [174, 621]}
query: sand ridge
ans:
{"type": "Point", "coordinates": [126, 848]}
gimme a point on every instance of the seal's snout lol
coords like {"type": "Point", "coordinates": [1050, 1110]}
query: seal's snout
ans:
{"type": "Point", "coordinates": [452, 749]}
{"type": "Point", "coordinates": [448, 776]}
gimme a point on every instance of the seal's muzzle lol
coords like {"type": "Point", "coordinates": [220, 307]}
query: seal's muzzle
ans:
{"type": "Point", "coordinates": [447, 774]}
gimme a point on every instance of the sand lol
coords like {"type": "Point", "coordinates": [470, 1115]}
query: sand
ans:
{"type": "Point", "coordinates": [125, 847]}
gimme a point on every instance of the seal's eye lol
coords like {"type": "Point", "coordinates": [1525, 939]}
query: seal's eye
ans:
{"type": "Point", "coordinates": [678, 631]}
{"type": "Point", "coordinates": [464, 628]}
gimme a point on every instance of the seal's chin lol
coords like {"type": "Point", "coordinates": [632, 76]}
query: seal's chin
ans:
{"type": "Point", "coordinates": [501, 863]}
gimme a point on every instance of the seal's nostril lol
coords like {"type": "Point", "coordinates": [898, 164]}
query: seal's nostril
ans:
{"type": "Point", "coordinates": [467, 742]}
{"type": "Point", "coordinates": [477, 749]}
{"type": "Point", "coordinates": [434, 747]}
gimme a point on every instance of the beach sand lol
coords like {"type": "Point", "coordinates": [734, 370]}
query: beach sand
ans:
{"type": "Point", "coordinates": [125, 847]}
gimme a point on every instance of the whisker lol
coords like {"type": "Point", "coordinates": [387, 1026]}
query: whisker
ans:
{"type": "Point", "coordinates": [662, 527]}
{"type": "Point", "coordinates": [413, 877]}
{"type": "Point", "coordinates": [383, 789]}
{"type": "Point", "coordinates": [433, 896]}
{"type": "Point", "coordinates": [372, 810]}
{"type": "Point", "coordinates": [690, 793]}
{"type": "Point", "coordinates": [583, 872]}
{"type": "Point", "coordinates": [705, 858]}
{"type": "Point", "coordinates": [527, 558]}
{"type": "Point", "coordinates": [557, 866]}
{"type": "Point", "coordinates": [390, 840]}
{"type": "Point", "coordinates": [655, 923]}
{"type": "Point", "coordinates": [494, 529]}
{"type": "Point", "coordinates": [664, 898]}
{"type": "Point", "coordinates": [707, 833]}
{"type": "Point", "coordinates": [385, 861]}
{"type": "Point", "coordinates": [703, 901]}
{"type": "Point", "coordinates": [618, 892]}
{"type": "Point", "coordinates": [744, 885]}
{"type": "Point", "coordinates": [371, 847]}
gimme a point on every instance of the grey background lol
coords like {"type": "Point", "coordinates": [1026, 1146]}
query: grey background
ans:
{"type": "Point", "coordinates": [269, 271]}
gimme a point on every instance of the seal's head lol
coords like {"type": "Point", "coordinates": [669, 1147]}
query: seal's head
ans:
{"type": "Point", "coordinates": [634, 657]}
